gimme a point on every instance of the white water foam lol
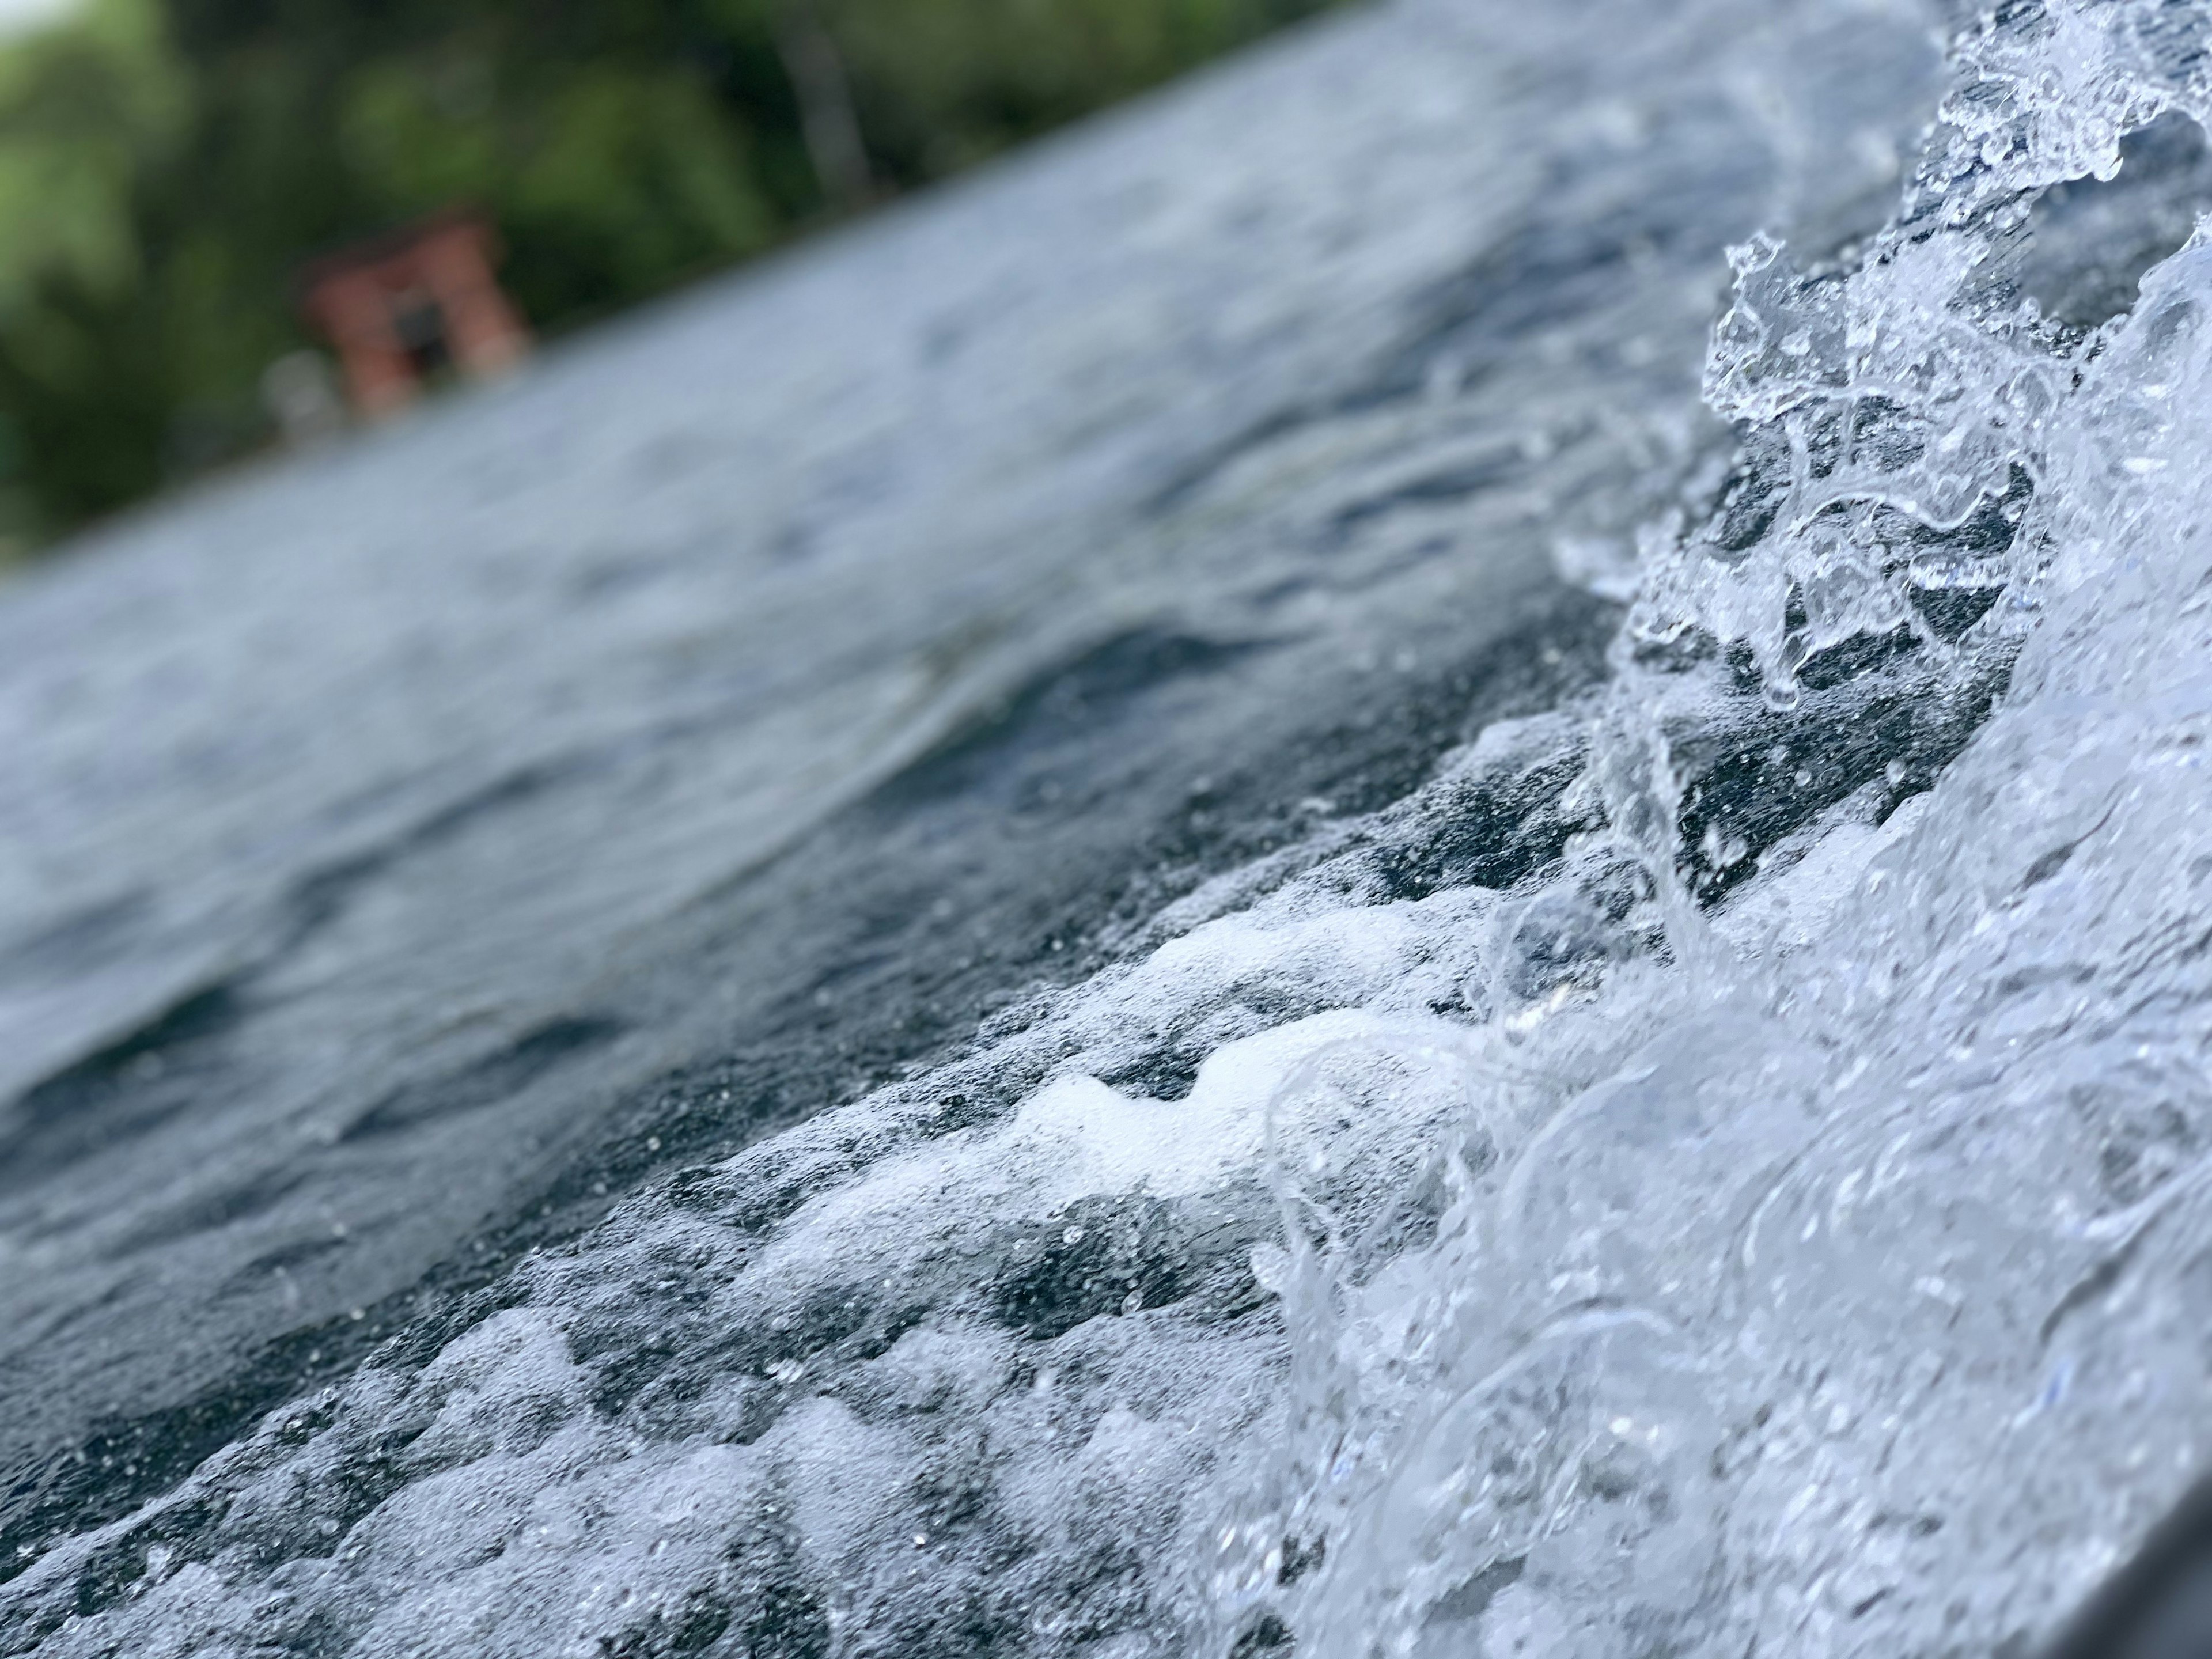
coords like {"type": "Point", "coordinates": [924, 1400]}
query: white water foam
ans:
{"type": "Point", "coordinates": [1689, 1248]}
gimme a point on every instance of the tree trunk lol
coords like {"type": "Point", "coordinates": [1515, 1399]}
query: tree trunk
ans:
{"type": "Point", "coordinates": [816, 70]}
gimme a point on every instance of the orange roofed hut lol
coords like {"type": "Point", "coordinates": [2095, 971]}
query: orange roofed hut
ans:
{"type": "Point", "coordinates": [405, 307]}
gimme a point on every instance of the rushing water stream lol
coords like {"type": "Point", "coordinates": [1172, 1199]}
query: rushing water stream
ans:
{"type": "Point", "coordinates": [1414, 857]}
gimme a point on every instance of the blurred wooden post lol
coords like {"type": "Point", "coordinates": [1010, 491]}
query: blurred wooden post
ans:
{"type": "Point", "coordinates": [400, 307]}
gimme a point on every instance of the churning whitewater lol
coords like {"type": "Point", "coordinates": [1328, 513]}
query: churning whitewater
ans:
{"type": "Point", "coordinates": [1723, 1167]}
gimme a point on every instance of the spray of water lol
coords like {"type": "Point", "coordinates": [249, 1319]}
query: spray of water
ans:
{"type": "Point", "coordinates": [1821, 1278]}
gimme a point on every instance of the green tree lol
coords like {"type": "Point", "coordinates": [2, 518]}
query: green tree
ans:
{"type": "Point", "coordinates": [610, 179]}
{"type": "Point", "coordinates": [942, 84]}
{"type": "Point", "coordinates": [91, 115]}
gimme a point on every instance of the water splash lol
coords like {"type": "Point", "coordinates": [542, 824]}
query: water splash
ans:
{"type": "Point", "coordinates": [1806, 1291]}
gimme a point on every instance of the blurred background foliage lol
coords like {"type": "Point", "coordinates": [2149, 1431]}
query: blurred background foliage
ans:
{"type": "Point", "coordinates": [165, 165]}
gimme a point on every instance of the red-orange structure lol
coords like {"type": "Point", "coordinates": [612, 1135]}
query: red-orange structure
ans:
{"type": "Point", "coordinates": [403, 307]}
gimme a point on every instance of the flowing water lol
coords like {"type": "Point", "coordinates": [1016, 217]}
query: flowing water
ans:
{"type": "Point", "coordinates": [1411, 859]}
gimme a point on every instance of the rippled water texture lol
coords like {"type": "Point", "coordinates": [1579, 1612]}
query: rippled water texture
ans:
{"type": "Point", "coordinates": [1412, 857]}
